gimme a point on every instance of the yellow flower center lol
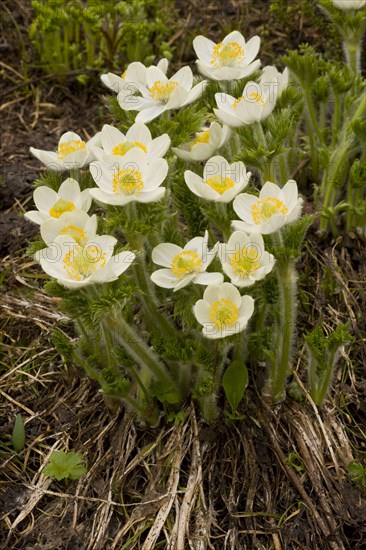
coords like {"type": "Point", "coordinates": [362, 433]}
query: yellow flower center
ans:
{"type": "Point", "coordinates": [75, 233]}
{"type": "Point", "coordinates": [220, 183]}
{"type": "Point", "coordinates": [245, 261]}
{"type": "Point", "coordinates": [229, 54]}
{"type": "Point", "coordinates": [237, 101]}
{"type": "Point", "coordinates": [161, 92]}
{"type": "Point", "coordinates": [224, 313]}
{"type": "Point", "coordinates": [68, 147]}
{"type": "Point", "coordinates": [60, 207]}
{"type": "Point", "coordinates": [185, 263]}
{"type": "Point", "coordinates": [201, 137]}
{"type": "Point", "coordinates": [254, 97]}
{"type": "Point", "coordinates": [258, 98]}
{"type": "Point", "coordinates": [265, 208]}
{"type": "Point", "coordinates": [127, 182]}
{"type": "Point", "coordinates": [123, 75]}
{"type": "Point", "coordinates": [122, 148]}
{"type": "Point", "coordinates": [81, 262]}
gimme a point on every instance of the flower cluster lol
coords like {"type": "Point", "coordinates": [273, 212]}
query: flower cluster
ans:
{"type": "Point", "coordinates": [130, 168]}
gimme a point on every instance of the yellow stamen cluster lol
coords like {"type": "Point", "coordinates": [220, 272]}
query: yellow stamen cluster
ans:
{"type": "Point", "coordinates": [220, 183]}
{"type": "Point", "coordinates": [80, 262]}
{"type": "Point", "coordinates": [122, 148]}
{"type": "Point", "coordinates": [265, 208]}
{"type": "Point", "coordinates": [237, 101]}
{"type": "Point", "coordinates": [186, 263]}
{"type": "Point", "coordinates": [127, 182]}
{"type": "Point", "coordinates": [245, 261]}
{"type": "Point", "coordinates": [224, 313]}
{"type": "Point", "coordinates": [71, 146]}
{"type": "Point", "coordinates": [75, 233]}
{"type": "Point", "coordinates": [161, 92]}
{"type": "Point", "coordinates": [229, 54]}
{"type": "Point", "coordinates": [201, 137]}
{"type": "Point", "coordinates": [60, 207]}
{"type": "Point", "coordinates": [258, 98]}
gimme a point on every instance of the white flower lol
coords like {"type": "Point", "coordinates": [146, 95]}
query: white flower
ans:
{"type": "Point", "coordinates": [349, 4]}
{"type": "Point", "coordinates": [138, 136]}
{"type": "Point", "coordinates": [75, 265]}
{"type": "Point", "coordinates": [223, 312]}
{"type": "Point", "coordinates": [133, 177]}
{"type": "Point", "coordinates": [72, 152]}
{"type": "Point", "coordinates": [221, 181]}
{"type": "Point", "coordinates": [244, 258]}
{"type": "Point", "coordinates": [184, 265]}
{"type": "Point", "coordinates": [77, 225]}
{"type": "Point", "coordinates": [257, 101]}
{"type": "Point", "coordinates": [162, 94]}
{"type": "Point", "coordinates": [52, 204]}
{"type": "Point", "coordinates": [129, 81]}
{"type": "Point", "coordinates": [231, 59]}
{"type": "Point", "coordinates": [204, 144]}
{"type": "Point", "coordinates": [274, 208]}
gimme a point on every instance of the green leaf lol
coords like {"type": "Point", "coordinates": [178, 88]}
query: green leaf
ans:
{"type": "Point", "coordinates": [65, 465]}
{"type": "Point", "coordinates": [165, 392]}
{"type": "Point", "coordinates": [18, 436]}
{"type": "Point", "coordinates": [234, 381]}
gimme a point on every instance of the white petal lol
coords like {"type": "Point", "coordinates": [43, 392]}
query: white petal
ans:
{"type": "Point", "coordinates": [147, 115]}
{"type": "Point", "coordinates": [289, 194]}
{"type": "Point", "coordinates": [69, 190]}
{"type": "Point", "coordinates": [111, 137]}
{"type": "Point", "coordinates": [184, 77]}
{"type": "Point", "coordinates": [154, 74]}
{"type": "Point", "coordinates": [44, 198]}
{"type": "Point", "coordinates": [196, 92]}
{"type": "Point", "coordinates": [164, 278]}
{"type": "Point", "coordinates": [163, 65]}
{"type": "Point", "coordinates": [177, 98]}
{"type": "Point", "coordinates": [208, 278]}
{"type": "Point", "coordinates": [252, 49]}
{"type": "Point", "coordinates": [269, 189]}
{"type": "Point", "coordinates": [203, 48]}
{"type": "Point", "coordinates": [120, 262]}
{"type": "Point", "coordinates": [139, 132]}
{"type": "Point", "coordinates": [201, 310]}
{"type": "Point", "coordinates": [228, 119]}
{"type": "Point", "coordinates": [246, 308]}
{"type": "Point", "coordinates": [234, 36]}
{"type": "Point", "coordinates": [159, 146]}
{"type": "Point", "coordinates": [35, 216]}
{"type": "Point", "coordinates": [230, 292]}
{"type": "Point", "coordinates": [150, 196]}
{"type": "Point", "coordinates": [164, 253]}
{"type": "Point", "coordinates": [155, 173]}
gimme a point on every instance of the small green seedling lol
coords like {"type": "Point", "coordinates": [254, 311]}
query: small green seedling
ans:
{"type": "Point", "coordinates": [357, 473]}
{"type": "Point", "coordinates": [18, 436]}
{"type": "Point", "coordinates": [65, 466]}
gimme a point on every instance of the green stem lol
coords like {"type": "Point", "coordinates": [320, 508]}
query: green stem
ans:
{"type": "Point", "coordinates": [338, 157]}
{"type": "Point", "coordinates": [157, 321]}
{"type": "Point", "coordinates": [324, 385]}
{"type": "Point", "coordinates": [128, 338]}
{"type": "Point", "coordinates": [287, 283]}
{"type": "Point", "coordinates": [352, 50]}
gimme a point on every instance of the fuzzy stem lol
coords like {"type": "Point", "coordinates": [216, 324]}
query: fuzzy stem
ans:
{"type": "Point", "coordinates": [287, 283]}
{"type": "Point", "coordinates": [128, 338]}
{"type": "Point", "coordinates": [352, 51]}
{"type": "Point", "coordinates": [338, 157]}
{"type": "Point", "coordinates": [322, 388]}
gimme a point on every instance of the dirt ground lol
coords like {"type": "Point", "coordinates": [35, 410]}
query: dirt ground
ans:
{"type": "Point", "coordinates": [278, 479]}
